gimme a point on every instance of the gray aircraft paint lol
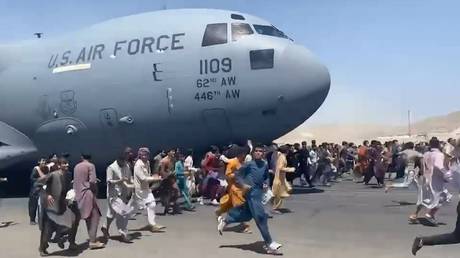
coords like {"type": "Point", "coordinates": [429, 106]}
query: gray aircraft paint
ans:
{"type": "Point", "coordinates": [141, 81]}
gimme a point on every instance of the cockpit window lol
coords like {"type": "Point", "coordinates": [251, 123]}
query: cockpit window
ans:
{"type": "Point", "coordinates": [215, 34]}
{"type": "Point", "coordinates": [269, 31]}
{"type": "Point", "coordinates": [240, 30]}
{"type": "Point", "coordinates": [237, 16]}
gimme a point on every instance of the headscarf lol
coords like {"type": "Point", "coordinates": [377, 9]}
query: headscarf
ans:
{"type": "Point", "coordinates": [143, 152]}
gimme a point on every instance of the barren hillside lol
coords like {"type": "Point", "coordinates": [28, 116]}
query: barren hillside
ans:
{"type": "Point", "coordinates": [359, 132]}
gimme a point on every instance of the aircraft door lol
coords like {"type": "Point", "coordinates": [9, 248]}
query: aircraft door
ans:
{"type": "Point", "coordinates": [217, 125]}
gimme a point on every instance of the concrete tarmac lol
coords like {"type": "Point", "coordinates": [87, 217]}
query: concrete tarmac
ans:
{"type": "Point", "coordinates": [346, 220]}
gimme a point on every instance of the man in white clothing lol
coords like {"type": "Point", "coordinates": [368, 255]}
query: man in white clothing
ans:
{"type": "Point", "coordinates": [119, 193]}
{"type": "Point", "coordinates": [143, 194]}
{"type": "Point", "coordinates": [188, 164]}
{"type": "Point", "coordinates": [432, 183]}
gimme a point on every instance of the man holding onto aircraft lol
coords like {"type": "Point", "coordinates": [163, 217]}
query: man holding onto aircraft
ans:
{"type": "Point", "coordinates": [252, 177]}
{"type": "Point", "coordinates": [143, 194]}
{"type": "Point", "coordinates": [85, 186]}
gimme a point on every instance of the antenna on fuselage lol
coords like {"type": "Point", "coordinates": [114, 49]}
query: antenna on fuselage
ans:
{"type": "Point", "coordinates": [38, 35]}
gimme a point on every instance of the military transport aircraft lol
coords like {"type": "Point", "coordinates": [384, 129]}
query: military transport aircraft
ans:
{"type": "Point", "coordinates": [185, 78]}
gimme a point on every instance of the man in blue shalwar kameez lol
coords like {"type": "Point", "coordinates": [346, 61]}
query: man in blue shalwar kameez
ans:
{"type": "Point", "coordinates": [252, 177]}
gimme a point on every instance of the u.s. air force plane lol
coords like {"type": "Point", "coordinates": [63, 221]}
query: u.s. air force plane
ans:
{"type": "Point", "coordinates": [186, 78]}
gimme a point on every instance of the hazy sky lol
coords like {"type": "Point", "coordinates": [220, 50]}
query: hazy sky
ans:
{"type": "Point", "coordinates": [384, 56]}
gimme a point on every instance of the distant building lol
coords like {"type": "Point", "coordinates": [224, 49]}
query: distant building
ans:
{"type": "Point", "coordinates": [442, 135]}
{"type": "Point", "coordinates": [403, 138]}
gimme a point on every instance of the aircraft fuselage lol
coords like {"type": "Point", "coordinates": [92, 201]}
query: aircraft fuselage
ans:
{"type": "Point", "coordinates": [152, 80]}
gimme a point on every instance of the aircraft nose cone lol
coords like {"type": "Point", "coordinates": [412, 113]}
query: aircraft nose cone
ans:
{"type": "Point", "coordinates": [308, 77]}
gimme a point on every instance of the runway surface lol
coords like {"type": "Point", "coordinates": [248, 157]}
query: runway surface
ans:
{"type": "Point", "coordinates": [345, 220]}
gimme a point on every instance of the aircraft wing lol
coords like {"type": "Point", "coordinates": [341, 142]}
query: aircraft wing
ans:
{"type": "Point", "coordinates": [14, 145]}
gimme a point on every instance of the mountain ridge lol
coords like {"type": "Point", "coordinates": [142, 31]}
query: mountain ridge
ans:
{"type": "Point", "coordinates": [444, 125]}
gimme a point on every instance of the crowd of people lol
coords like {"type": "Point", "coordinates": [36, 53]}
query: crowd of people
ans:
{"type": "Point", "coordinates": [244, 182]}
{"type": "Point", "coordinates": [135, 183]}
